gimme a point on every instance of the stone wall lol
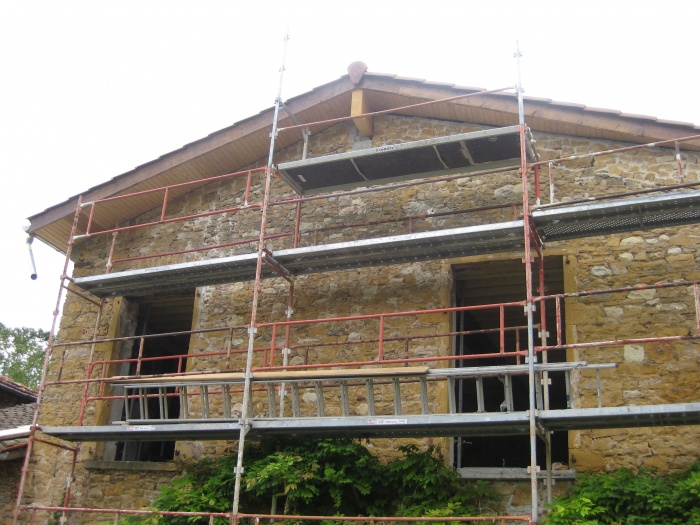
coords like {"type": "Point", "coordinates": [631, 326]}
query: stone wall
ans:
{"type": "Point", "coordinates": [651, 373]}
{"type": "Point", "coordinates": [10, 474]}
{"type": "Point", "coordinates": [655, 372]}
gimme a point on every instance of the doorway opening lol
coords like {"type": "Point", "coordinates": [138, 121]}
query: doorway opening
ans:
{"type": "Point", "coordinates": [493, 282]}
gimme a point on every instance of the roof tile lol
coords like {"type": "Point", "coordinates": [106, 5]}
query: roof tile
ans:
{"type": "Point", "coordinates": [16, 416]}
{"type": "Point", "coordinates": [14, 387]}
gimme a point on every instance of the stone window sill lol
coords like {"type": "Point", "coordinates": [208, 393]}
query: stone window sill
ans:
{"type": "Point", "coordinates": [132, 465]}
{"type": "Point", "coordinates": [504, 474]}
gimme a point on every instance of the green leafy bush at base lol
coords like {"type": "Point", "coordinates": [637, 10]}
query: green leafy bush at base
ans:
{"type": "Point", "coordinates": [626, 498]}
{"type": "Point", "coordinates": [322, 477]}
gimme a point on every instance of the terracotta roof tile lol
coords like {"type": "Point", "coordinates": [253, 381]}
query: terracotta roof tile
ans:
{"type": "Point", "coordinates": [567, 104]}
{"type": "Point", "coordinates": [411, 79]}
{"type": "Point", "coordinates": [638, 117]}
{"type": "Point", "coordinates": [676, 123]}
{"type": "Point", "coordinates": [602, 110]}
{"type": "Point", "coordinates": [13, 387]}
{"type": "Point", "coordinates": [469, 88]}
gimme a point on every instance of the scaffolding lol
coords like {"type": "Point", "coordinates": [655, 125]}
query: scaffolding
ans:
{"type": "Point", "coordinates": [218, 403]}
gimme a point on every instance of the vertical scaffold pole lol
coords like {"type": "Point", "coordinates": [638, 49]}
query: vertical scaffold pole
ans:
{"type": "Point", "coordinates": [47, 359]}
{"type": "Point", "coordinates": [521, 106]}
{"type": "Point", "coordinates": [243, 422]}
{"type": "Point", "coordinates": [287, 342]}
{"type": "Point", "coordinates": [529, 305]}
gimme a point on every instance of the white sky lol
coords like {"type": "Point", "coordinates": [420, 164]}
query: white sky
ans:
{"type": "Point", "coordinates": [91, 89]}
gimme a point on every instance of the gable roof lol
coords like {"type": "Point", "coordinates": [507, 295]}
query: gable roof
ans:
{"type": "Point", "coordinates": [247, 142]}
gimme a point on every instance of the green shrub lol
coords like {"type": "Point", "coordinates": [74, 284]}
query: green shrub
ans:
{"type": "Point", "coordinates": [331, 477]}
{"type": "Point", "coordinates": [626, 498]}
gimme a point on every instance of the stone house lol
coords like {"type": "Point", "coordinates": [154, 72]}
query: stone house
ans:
{"type": "Point", "coordinates": [17, 405]}
{"type": "Point", "coordinates": [380, 284]}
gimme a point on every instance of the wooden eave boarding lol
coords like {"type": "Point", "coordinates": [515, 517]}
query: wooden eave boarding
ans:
{"type": "Point", "coordinates": [246, 142]}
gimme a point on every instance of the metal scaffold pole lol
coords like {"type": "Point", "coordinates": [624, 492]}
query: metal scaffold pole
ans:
{"type": "Point", "coordinates": [243, 422]}
{"type": "Point", "coordinates": [47, 358]}
{"type": "Point", "coordinates": [529, 305]}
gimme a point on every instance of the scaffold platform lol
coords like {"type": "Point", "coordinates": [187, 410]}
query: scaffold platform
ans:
{"type": "Point", "coordinates": [552, 224]}
{"type": "Point", "coordinates": [462, 153]}
{"type": "Point", "coordinates": [616, 216]}
{"type": "Point", "coordinates": [214, 394]}
{"type": "Point", "coordinates": [430, 425]}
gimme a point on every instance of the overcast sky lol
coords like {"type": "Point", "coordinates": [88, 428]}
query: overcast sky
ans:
{"type": "Point", "coordinates": [91, 89]}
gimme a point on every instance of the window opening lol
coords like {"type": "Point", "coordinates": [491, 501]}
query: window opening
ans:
{"type": "Point", "coordinates": [492, 282]}
{"type": "Point", "coordinates": [160, 315]}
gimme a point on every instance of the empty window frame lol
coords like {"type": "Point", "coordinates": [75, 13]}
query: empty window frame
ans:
{"type": "Point", "coordinates": [496, 282]}
{"type": "Point", "coordinates": [160, 355]}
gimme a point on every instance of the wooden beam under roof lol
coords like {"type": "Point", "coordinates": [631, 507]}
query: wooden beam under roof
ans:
{"type": "Point", "coordinates": [360, 106]}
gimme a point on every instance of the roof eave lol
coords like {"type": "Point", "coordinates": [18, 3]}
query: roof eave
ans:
{"type": "Point", "coordinates": [596, 121]}
{"type": "Point", "coordinates": [189, 151]}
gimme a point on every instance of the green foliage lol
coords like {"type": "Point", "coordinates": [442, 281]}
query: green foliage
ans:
{"type": "Point", "coordinates": [22, 354]}
{"type": "Point", "coordinates": [333, 477]}
{"type": "Point", "coordinates": [327, 476]}
{"type": "Point", "coordinates": [625, 498]}
{"type": "Point", "coordinates": [425, 487]}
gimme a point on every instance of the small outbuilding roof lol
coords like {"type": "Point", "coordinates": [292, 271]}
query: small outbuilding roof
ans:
{"type": "Point", "coordinates": [16, 416]}
{"type": "Point", "coordinates": [15, 422]}
{"type": "Point", "coordinates": [25, 394]}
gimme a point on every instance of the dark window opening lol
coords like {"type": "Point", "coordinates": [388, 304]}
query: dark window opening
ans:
{"type": "Point", "coordinates": [494, 282]}
{"type": "Point", "coordinates": [162, 315]}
